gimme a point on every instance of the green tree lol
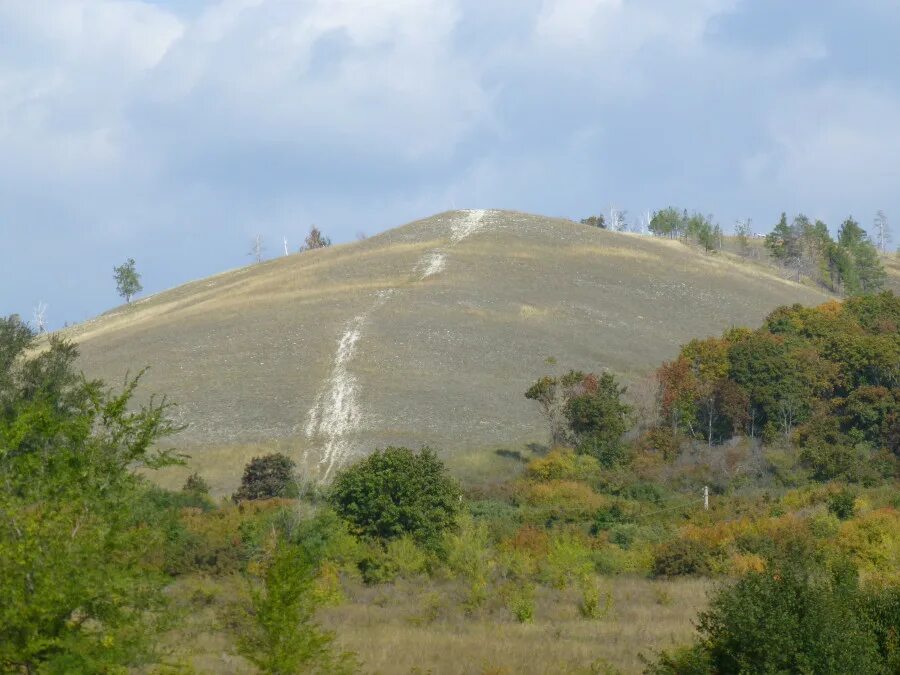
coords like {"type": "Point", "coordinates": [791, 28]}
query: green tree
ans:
{"type": "Point", "coordinates": [598, 418]}
{"type": "Point", "coordinates": [667, 222]}
{"type": "Point", "coordinates": [78, 593]}
{"type": "Point", "coordinates": [268, 477]}
{"type": "Point", "coordinates": [128, 281]}
{"type": "Point", "coordinates": [552, 394]}
{"type": "Point", "coordinates": [282, 636]}
{"type": "Point", "coordinates": [868, 274]}
{"type": "Point", "coordinates": [396, 492]}
{"type": "Point", "coordinates": [795, 618]}
{"type": "Point", "coordinates": [595, 221]}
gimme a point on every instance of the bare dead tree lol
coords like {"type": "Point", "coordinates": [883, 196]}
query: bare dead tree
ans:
{"type": "Point", "coordinates": [618, 220]}
{"type": "Point", "coordinates": [882, 231]}
{"type": "Point", "coordinates": [40, 317]}
{"type": "Point", "coordinates": [256, 249]}
{"type": "Point", "coordinates": [743, 231]}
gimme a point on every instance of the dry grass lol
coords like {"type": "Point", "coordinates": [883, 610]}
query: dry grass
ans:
{"type": "Point", "coordinates": [407, 628]}
{"type": "Point", "coordinates": [420, 626]}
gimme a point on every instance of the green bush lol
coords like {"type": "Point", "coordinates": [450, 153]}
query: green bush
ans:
{"type": "Point", "coordinates": [267, 477]}
{"type": "Point", "coordinates": [681, 557]}
{"type": "Point", "coordinates": [195, 484]}
{"type": "Point", "coordinates": [281, 634]}
{"type": "Point", "coordinates": [842, 504]}
{"type": "Point", "coordinates": [396, 492]}
{"type": "Point", "coordinates": [795, 618]}
{"type": "Point", "coordinates": [690, 660]}
{"type": "Point", "coordinates": [520, 601]}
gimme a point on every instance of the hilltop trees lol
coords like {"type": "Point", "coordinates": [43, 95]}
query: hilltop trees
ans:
{"type": "Point", "coordinates": [866, 275]}
{"type": "Point", "coordinates": [128, 281]}
{"type": "Point", "coordinates": [315, 239]}
{"type": "Point", "coordinates": [595, 221]}
{"type": "Point", "coordinates": [671, 223]}
{"type": "Point", "coordinates": [667, 222]}
{"type": "Point", "coordinates": [849, 264]}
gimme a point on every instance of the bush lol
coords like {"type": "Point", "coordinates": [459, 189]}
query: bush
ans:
{"type": "Point", "coordinates": [795, 619]}
{"type": "Point", "coordinates": [282, 635]}
{"type": "Point", "coordinates": [520, 601]}
{"type": "Point", "coordinates": [681, 557]}
{"type": "Point", "coordinates": [195, 484]}
{"type": "Point", "coordinates": [396, 492]}
{"type": "Point", "coordinates": [842, 505]}
{"type": "Point", "coordinates": [692, 660]}
{"type": "Point", "coordinates": [267, 477]}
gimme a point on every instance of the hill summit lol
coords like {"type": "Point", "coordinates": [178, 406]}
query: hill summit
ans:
{"type": "Point", "coordinates": [425, 334]}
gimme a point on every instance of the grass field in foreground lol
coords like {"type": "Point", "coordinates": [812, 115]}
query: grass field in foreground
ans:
{"type": "Point", "coordinates": [419, 626]}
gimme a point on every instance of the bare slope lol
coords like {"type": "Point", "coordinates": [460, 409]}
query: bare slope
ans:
{"type": "Point", "coordinates": [428, 333]}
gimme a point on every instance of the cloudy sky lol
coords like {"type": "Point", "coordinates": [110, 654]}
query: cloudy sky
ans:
{"type": "Point", "coordinates": [172, 131]}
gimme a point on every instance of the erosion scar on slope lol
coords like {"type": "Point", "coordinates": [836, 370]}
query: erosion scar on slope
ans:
{"type": "Point", "coordinates": [336, 416]}
{"type": "Point", "coordinates": [335, 413]}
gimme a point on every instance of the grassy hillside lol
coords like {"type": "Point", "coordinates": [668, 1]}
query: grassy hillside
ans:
{"type": "Point", "coordinates": [427, 333]}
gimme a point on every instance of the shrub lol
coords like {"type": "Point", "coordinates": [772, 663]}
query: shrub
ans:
{"type": "Point", "coordinates": [842, 505]}
{"type": "Point", "coordinates": [681, 557]}
{"type": "Point", "coordinates": [398, 558]}
{"type": "Point", "coordinates": [282, 635]}
{"type": "Point", "coordinates": [520, 601]}
{"type": "Point", "coordinates": [793, 619]}
{"type": "Point", "coordinates": [593, 604]}
{"type": "Point", "coordinates": [195, 484]}
{"type": "Point", "coordinates": [691, 660]}
{"type": "Point", "coordinates": [396, 492]}
{"type": "Point", "coordinates": [267, 477]}
{"type": "Point", "coordinates": [563, 500]}
{"type": "Point", "coordinates": [568, 559]}
{"type": "Point", "coordinates": [562, 464]}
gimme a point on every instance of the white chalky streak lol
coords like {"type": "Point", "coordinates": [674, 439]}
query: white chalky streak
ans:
{"type": "Point", "coordinates": [336, 411]}
{"type": "Point", "coordinates": [434, 263]}
{"type": "Point", "coordinates": [471, 222]}
{"type": "Point", "coordinates": [336, 415]}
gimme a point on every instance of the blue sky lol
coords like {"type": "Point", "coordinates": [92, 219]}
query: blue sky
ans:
{"type": "Point", "coordinates": [173, 131]}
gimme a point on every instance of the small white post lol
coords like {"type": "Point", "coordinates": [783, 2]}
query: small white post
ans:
{"type": "Point", "coordinates": [285, 245]}
{"type": "Point", "coordinates": [706, 497]}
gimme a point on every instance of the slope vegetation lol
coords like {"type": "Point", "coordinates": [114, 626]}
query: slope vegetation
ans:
{"type": "Point", "coordinates": [428, 333]}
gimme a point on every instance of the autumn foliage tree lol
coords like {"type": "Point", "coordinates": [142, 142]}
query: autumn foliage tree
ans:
{"type": "Point", "coordinates": [827, 378]}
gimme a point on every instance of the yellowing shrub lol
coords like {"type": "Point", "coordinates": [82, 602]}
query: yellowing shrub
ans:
{"type": "Point", "coordinates": [742, 563]}
{"type": "Point", "coordinates": [566, 494]}
{"type": "Point", "coordinates": [562, 464]}
{"type": "Point", "coordinates": [874, 541]}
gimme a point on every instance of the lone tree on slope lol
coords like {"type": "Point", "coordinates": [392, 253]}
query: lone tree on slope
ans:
{"type": "Point", "coordinates": [315, 239]}
{"type": "Point", "coordinates": [128, 281]}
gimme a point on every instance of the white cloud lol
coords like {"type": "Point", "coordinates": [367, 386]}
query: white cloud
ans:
{"type": "Point", "coordinates": [143, 119]}
{"type": "Point", "coordinates": [838, 143]}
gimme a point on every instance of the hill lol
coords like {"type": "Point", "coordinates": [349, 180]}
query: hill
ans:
{"type": "Point", "coordinates": [426, 334]}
